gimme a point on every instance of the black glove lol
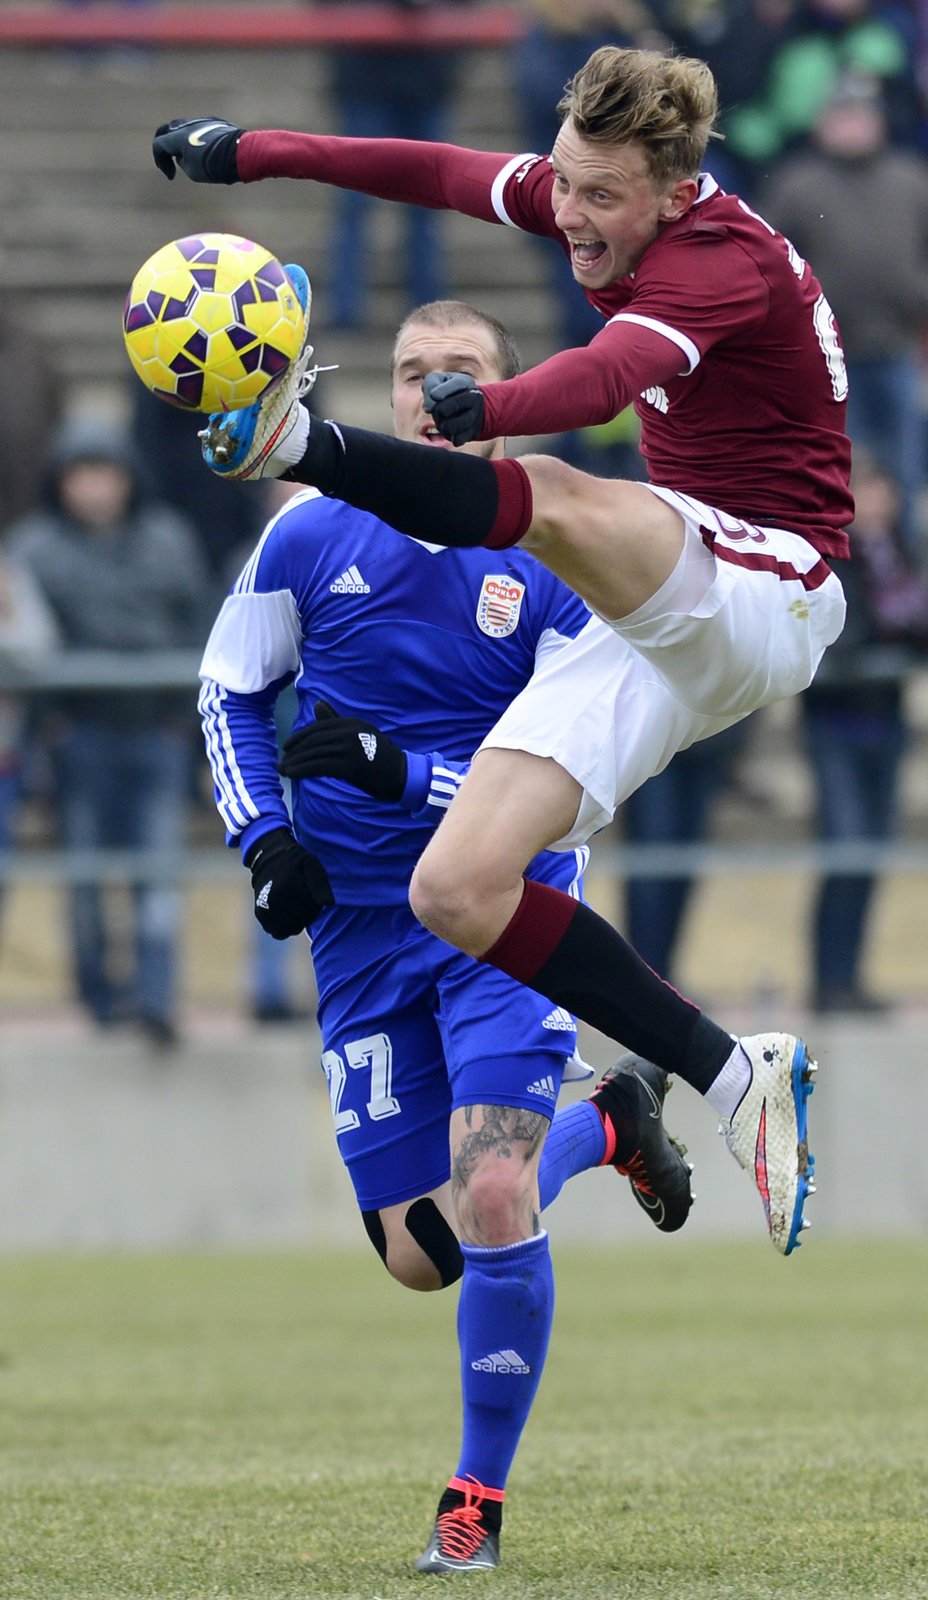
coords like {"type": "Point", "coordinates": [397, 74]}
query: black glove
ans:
{"type": "Point", "coordinates": [455, 405]}
{"type": "Point", "coordinates": [291, 885]}
{"type": "Point", "coordinates": [203, 147]}
{"type": "Point", "coordinates": [348, 748]}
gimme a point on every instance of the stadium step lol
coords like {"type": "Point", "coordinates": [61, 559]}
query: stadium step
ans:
{"type": "Point", "coordinates": [81, 205]}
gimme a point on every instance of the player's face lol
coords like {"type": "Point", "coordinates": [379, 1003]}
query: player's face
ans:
{"type": "Point", "coordinates": [609, 206]}
{"type": "Point", "coordinates": [420, 349]}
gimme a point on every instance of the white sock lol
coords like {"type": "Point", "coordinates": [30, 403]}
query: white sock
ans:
{"type": "Point", "coordinates": [728, 1090]}
{"type": "Point", "coordinates": [292, 447]}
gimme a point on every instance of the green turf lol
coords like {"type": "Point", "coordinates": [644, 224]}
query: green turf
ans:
{"type": "Point", "coordinates": [714, 1424]}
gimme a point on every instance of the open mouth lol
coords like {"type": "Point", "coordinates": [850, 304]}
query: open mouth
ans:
{"type": "Point", "coordinates": [586, 253]}
{"type": "Point", "coordinates": [429, 434]}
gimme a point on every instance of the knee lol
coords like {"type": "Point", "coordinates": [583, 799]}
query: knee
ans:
{"type": "Point", "coordinates": [552, 476]}
{"type": "Point", "coordinates": [497, 1206]}
{"type": "Point", "coordinates": [446, 902]}
{"type": "Point", "coordinates": [557, 491]}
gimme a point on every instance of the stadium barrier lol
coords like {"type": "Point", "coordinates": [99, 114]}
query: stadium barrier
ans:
{"type": "Point", "coordinates": [76, 671]}
{"type": "Point", "coordinates": [264, 28]}
{"type": "Point", "coordinates": [227, 1143]}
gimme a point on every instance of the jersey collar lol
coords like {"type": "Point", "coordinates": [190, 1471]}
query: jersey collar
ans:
{"type": "Point", "coordinates": [707, 188]}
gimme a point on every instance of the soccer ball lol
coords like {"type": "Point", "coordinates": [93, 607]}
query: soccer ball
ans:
{"type": "Point", "coordinates": [212, 322]}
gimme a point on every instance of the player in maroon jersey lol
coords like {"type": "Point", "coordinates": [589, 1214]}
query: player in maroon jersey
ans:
{"type": "Point", "coordinates": [709, 585]}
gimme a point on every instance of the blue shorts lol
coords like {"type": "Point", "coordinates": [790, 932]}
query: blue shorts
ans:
{"type": "Point", "coordinates": [411, 1028]}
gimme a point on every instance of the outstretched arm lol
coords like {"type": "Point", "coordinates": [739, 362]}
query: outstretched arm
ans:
{"type": "Point", "coordinates": [442, 177]}
{"type": "Point", "coordinates": [439, 176]}
{"type": "Point", "coordinates": [573, 389]}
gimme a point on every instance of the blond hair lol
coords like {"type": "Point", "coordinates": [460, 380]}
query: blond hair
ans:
{"type": "Point", "coordinates": [457, 314]}
{"type": "Point", "coordinates": [668, 104]}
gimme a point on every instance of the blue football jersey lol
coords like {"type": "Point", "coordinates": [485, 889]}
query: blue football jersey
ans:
{"type": "Point", "coordinates": [430, 644]}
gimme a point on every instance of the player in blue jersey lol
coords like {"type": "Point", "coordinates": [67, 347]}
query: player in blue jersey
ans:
{"type": "Point", "coordinates": [419, 1039]}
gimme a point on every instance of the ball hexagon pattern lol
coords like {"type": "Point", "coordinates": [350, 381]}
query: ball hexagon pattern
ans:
{"type": "Point", "coordinates": [212, 322]}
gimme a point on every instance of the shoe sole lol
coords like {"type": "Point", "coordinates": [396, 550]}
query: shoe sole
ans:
{"type": "Point", "coordinates": [786, 1159]}
{"type": "Point", "coordinates": [802, 1070]}
{"type": "Point", "coordinates": [444, 1565]}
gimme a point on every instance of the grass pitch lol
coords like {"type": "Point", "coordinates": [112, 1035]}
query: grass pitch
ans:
{"type": "Point", "coordinates": [713, 1424]}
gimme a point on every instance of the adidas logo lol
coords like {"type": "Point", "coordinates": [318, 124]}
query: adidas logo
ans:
{"type": "Point", "coordinates": [560, 1020]}
{"type": "Point", "coordinates": [350, 582]}
{"type": "Point", "coordinates": [264, 895]}
{"type": "Point", "coordinates": [368, 744]}
{"type": "Point", "coordinates": [501, 1362]}
{"type": "Point", "coordinates": [543, 1086]}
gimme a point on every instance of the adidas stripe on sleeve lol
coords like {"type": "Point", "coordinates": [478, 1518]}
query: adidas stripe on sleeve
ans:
{"type": "Point", "coordinates": [252, 651]}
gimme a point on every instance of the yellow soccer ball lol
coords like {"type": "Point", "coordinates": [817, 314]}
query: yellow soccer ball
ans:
{"type": "Point", "coordinates": [212, 322]}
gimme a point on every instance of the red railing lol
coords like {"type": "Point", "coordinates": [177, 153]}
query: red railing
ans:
{"type": "Point", "coordinates": [262, 28]}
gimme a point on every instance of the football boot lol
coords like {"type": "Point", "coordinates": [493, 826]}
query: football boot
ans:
{"type": "Point", "coordinates": [768, 1132]}
{"type": "Point", "coordinates": [264, 439]}
{"type": "Point", "coordinates": [465, 1537]}
{"type": "Point", "coordinates": [633, 1090]}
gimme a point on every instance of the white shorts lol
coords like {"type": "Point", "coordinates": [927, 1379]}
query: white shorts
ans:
{"type": "Point", "coordinates": [743, 620]}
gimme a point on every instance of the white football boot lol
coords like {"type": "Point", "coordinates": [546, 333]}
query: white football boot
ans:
{"type": "Point", "coordinates": [768, 1133]}
{"type": "Point", "coordinates": [264, 439]}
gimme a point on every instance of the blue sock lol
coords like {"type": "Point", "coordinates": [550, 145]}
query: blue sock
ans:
{"type": "Point", "coordinates": [576, 1141]}
{"type": "Point", "coordinates": [504, 1324]}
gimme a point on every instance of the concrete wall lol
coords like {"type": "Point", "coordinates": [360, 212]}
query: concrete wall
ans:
{"type": "Point", "coordinates": [227, 1143]}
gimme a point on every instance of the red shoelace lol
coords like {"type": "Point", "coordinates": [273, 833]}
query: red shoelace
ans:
{"type": "Point", "coordinates": [461, 1531]}
{"type": "Point", "coordinates": [634, 1168]}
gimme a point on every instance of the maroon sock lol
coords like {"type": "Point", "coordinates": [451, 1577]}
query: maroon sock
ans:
{"type": "Point", "coordinates": [514, 509]}
{"type": "Point", "coordinates": [439, 495]}
{"type": "Point", "coordinates": [564, 950]}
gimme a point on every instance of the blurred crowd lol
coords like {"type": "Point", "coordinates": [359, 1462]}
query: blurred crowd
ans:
{"type": "Point", "coordinates": [115, 538]}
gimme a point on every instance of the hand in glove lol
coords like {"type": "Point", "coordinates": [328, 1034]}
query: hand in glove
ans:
{"type": "Point", "coordinates": [291, 885]}
{"type": "Point", "coordinates": [455, 405]}
{"type": "Point", "coordinates": [203, 147]}
{"type": "Point", "coordinates": [348, 748]}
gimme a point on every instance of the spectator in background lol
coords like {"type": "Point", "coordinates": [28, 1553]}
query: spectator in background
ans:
{"type": "Point", "coordinates": [922, 68]}
{"type": "Point", "coordinates": [378, 93]}
{"type": "Point", "coordinates": [227, 517]}
{"type": "Point", "coordinates": [123, 573]}
{"type": "Point", "coordinates": [859, 209]}
{"type": "Point", "coordinates": [739, 39]}
{"type": "Point", "coordinates": [856, 730]}
{"type": "Point", "coordinates": [674, 808]}
{"type": "Point", "coordinates": [30, 405]}
{"type": "Point", "coordinates": [119, 59]}
{"type": "Point", "coordinates": [27, 633]}
{"type": "Point", "coordinates": [825, 41]}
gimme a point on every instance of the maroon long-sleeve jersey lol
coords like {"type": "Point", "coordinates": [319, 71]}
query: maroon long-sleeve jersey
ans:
{"type": "Point", "coordinates": [722, 338]}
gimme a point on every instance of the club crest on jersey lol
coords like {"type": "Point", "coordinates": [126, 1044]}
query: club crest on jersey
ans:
{"type": "Point", "coordinates": [499, 605]}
